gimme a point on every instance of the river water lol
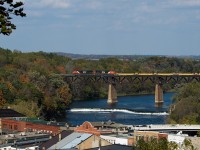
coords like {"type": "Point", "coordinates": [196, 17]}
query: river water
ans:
{"type": "Point", "coordinates": [132, 110]}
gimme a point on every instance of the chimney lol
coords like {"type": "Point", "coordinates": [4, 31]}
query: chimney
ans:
{"type": "Point", "coordinates": [99, 143]}
{"type": "Point", "coordinates": [59, 137]}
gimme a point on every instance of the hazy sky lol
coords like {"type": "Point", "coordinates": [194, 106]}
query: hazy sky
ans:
{"type": "Point", "coordinates": [160, 27]}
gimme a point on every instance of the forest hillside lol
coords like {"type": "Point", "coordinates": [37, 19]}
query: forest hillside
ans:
{"type": "Point", "coordinates": [30, 82]}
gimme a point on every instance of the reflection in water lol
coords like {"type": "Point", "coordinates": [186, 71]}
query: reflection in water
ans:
{"type": "Point", "coordinates": [112, 105]}
{"type": "Point", "coordinates": [113, 115]}
{"type": "Point", "coordinates": [159, 105]}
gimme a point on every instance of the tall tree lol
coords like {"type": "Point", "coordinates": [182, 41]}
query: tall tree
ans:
{"type": "Point", "coordinates": [2, 100]}
{"type": "Point", "coordinates": [9, 8]}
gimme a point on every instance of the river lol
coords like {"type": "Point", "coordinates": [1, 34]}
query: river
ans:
{"type": "Point", "coordinates": [132, 110]}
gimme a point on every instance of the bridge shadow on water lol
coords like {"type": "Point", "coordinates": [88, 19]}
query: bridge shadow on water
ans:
{"type": "Point", "coordinates": [158, 105]}
{"type": "Point", "coordinates": [112, 105]}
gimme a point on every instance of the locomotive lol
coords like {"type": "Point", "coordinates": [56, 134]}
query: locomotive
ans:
{"type": "Point", "coordinates": [93, 72]}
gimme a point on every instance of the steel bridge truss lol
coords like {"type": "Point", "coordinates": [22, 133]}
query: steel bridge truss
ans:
{"type": "Point", "coordinates": [113, 79]}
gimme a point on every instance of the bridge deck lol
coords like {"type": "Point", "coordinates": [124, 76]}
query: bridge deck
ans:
{"type": "Point", "coordinates": [169, 127]}
{"type": "Point", "coordinates": [137, 74]}
{"type": "Point", "coordinates": [158, 74]}
{"type": "Point", "coordinates": [120, 77]}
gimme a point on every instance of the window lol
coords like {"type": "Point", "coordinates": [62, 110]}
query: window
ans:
{"type": "Point", "coordinates": [137, 138]}
{"type": "Point", "coordinates": [86, 126]}
{"type": "Point", "coordinates": [147, 138]}
{"type": "Point", "coordinates": [15, 127]}
{"type": "Point", "coordinates": [4, 126]}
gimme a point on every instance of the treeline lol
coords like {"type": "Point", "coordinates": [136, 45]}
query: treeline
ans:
{"type": "Point", "coordinates": [29, 82]}
{"type": "Point", "coordinates": [146, 64]}
{"type": "Point", "coordinates": [163, 144]}
{"type": "Point", "coordinates": [186, 109]}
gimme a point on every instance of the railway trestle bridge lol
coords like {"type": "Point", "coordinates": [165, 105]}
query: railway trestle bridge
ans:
{"type": "Point", "coordinates": [156, 78]}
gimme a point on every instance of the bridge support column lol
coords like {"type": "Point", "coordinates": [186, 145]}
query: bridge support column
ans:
{"type": "Point", "coordinates": [158, 95]}
{"type": "Point", "coordinates": [112, 94]}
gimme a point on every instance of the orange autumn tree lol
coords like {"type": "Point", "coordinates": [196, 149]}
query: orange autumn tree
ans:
{"type": "Point", "coordinates": [2, 100]}
{"type": "Point", "coordinates": [61, 69]}
{"type": "Point", "coordinates": [65, 94]}
{"type": "Point", "coordinates": [24, 78]}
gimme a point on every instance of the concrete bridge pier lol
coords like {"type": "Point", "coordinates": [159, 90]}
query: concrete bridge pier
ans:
{"type": "Point", "coordinates": [112, 94]}
{"type": "Point", "coordinates": [158, 95]}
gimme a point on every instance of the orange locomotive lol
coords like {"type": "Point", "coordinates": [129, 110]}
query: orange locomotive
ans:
{"type": "Point", "coordinates": [93, 72]}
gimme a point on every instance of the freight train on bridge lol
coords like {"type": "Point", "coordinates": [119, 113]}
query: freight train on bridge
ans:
{"type": "Point", "coordinates": [112, 72]}
{"type": "Point", "coordinates": [93, 72]}
{"type": "Point", "coordinates": [112, 77]}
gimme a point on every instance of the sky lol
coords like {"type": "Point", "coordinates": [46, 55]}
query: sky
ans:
{"type": "Point", "coordinates": [113, 27]}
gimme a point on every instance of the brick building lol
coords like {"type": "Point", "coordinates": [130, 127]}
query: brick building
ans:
{"type": "Point", "coordinates": [99, 128]}
{"type": "Point", "coordinates": [12, 125]}
{"type": "Point", "coordinates": [148, 135]}
{"type": "Point", "coordinates": [87, 127]}
{"type": "Point", "coordinates": [9, 114]}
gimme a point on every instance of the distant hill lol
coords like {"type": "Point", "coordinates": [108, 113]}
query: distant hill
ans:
{"type": "Point", "coordinates": [97, 57]}
{"type": "Point", "coordinates": [129, 57]}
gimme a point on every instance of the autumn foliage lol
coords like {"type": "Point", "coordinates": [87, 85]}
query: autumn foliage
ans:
{"type": "Point", "coordinates": [2, 100]}
{"type": "Point", "coordinates": [29, 84]}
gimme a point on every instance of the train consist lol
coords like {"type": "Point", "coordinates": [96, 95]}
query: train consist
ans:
{"type": "Point", "coordinates": [93, 72]}
{"type": "Point", "coordinates": [111, 72]}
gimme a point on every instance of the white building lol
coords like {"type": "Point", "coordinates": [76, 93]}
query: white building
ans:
{"type": "Point", "coordinates": [179, 139]}
{"type": "Point", "coordinates": [18, 148]}
{"type": "Point", "coordinates": [116, 139]}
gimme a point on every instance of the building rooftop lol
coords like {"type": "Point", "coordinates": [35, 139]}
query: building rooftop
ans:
{"type": "Point", "coordinates": [7, 113]}
{"type": "Point", "coordinates": [107, 124]}
{"type": "Point", "coordinates": [22, 138]}
{"type": "Point", "coordinates": [123, 136]}
{"type": "Point", "coordinates": [71, 141]}
{"type": "Point", "coordinates": [39, 121]}
{"type": "Point", "coordinates": [113, 147]}
{"type": "Point", "coordinates": [21, 135]}
{"type": "Point", "coordinates": [55, 139]}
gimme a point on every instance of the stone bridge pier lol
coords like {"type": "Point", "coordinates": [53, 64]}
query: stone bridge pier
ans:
{"type": "Point", "coordinates": [112, 94]}
{"type": "Point", "coordinates": [158, 95]}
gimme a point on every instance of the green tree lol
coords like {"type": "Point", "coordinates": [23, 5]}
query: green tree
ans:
{"type": "Point", "coordinates": [28, 108]}
{"type": "Point", "coordinates": [187, 145]}
{"type": "Point", "coordinates": [8, 8]}
{"type": "Point", "coordinates": [172, 146]}
{"type": "Point", "coordinates": [162, 144]}
{"type": "Point", "coordinates": [187, 107]}
{"type": "Point", "coordinates": [2, 100]}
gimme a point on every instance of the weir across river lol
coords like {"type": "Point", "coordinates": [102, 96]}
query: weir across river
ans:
{"type": "Point", "coordinates": [156, 78]}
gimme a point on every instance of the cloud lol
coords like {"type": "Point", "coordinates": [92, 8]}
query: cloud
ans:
{"type": "Point", "coordinates": [186, 2]}
{"type": "Point", "coordinates": [94, 5]}
{"type": "Point", "coordinates": [51, 3]}
{"type": "Point", "coordinates": [117, 14]}
{"type": "Point", "coordinates": [19, 0]}
{"type": "Point", "coordinates": [64, 16]}
{"type": "Point", "coordinates": [34, 13]}
{"type": "Point", "coordinates": [146, 8]}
